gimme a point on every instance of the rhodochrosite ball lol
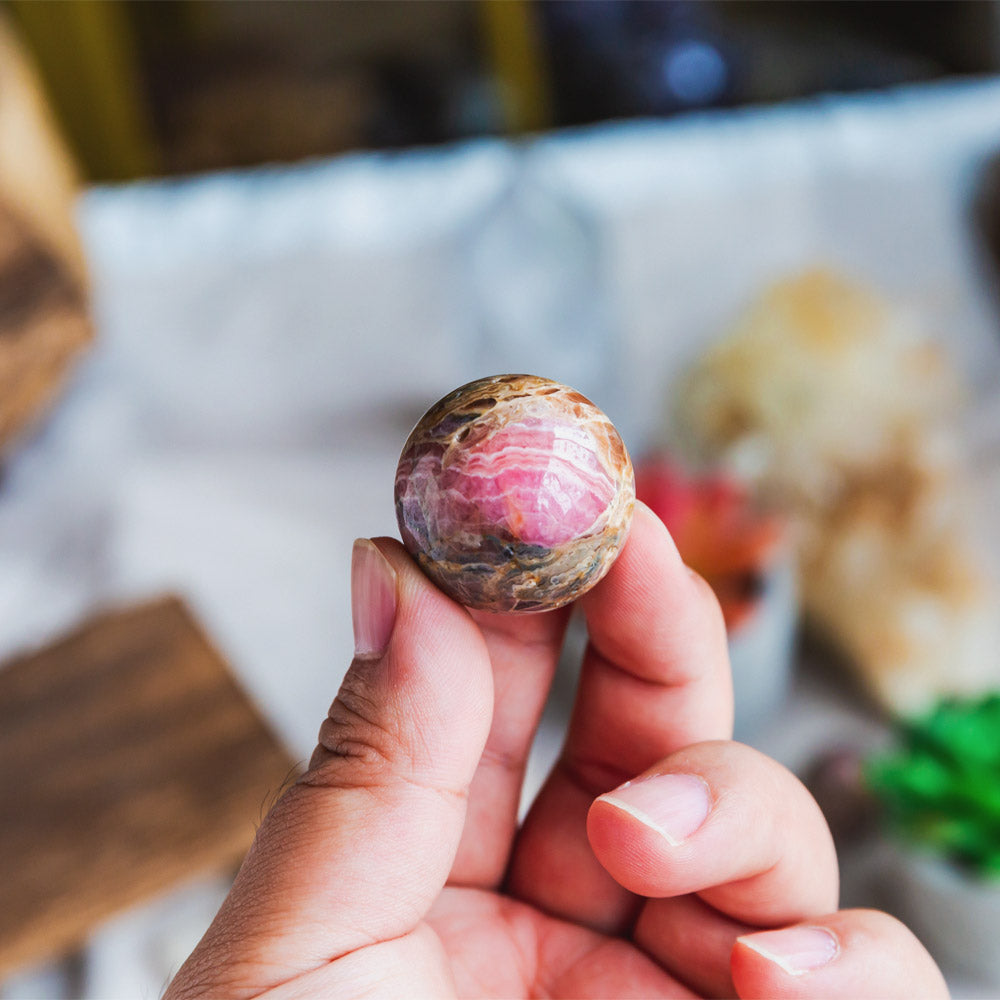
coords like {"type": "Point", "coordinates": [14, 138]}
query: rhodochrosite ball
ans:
{"type": "Point", "coordinates": [514, 493]}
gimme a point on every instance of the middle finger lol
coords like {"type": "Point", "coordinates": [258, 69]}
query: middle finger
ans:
{"type": "Point", "coordinates": [757, 854]}
{"type": "Point", "coordinates": [655, 678]}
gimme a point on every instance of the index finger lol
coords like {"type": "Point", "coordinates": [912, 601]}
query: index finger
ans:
{"type": "Point", "coordinates": [655, 678]}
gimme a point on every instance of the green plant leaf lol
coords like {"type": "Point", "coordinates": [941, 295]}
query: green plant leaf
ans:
{"type": "Point", "coordinates": [940, 785]}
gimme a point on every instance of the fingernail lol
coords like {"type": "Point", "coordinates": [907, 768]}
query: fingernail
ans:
{"type": "Point", "coordinates": [373, 599]}
{"type": "Point", "coordinates": [797, 950]}
{"type": "Point", "coordinates": [674, 805]}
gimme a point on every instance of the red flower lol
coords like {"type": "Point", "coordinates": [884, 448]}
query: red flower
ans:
{"type": "Point", "coordinates": [717, 528]}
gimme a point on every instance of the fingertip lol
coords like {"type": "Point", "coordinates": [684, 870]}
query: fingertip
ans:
{"type": "Point", "coordinates": [654, 533]}
{"type": "Point", "coordinates": [435, 663]}
{"type": "Point", "coordinates": [787, 964]}
{"type": "Point", "coordinates": [849, 955]}
{"type": "Point", "coordinates": [638, 830]}
{"type": "Point", "coordinates": [796, 951]}
{"type": "Point", "coordinates": [673, 806]}
{"type": "Point", "coordinates": [373, 599]}
{"type": "Point", "coordinates": [720, 819]}
{"type": "Point", "coordinates": [651, 522]}
{"type": "Point", "coordinates": [649, 553]}
{"type": "Point", "coordinates": [649, 542]}
{"type": "Point", "coordinates": [652, 617]}
{"type": "Point", "coordinates": [426, 613]}
{"type": "Point", "coordinates": [411, 578]}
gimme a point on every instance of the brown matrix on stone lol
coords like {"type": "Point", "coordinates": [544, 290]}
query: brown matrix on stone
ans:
{"type": "Point", "coordinates": [514, 493]}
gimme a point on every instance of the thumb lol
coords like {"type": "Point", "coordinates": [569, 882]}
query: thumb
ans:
{"type": "Point", "coordinates": [359, 848]}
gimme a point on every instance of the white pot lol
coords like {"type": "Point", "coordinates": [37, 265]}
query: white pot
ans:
{"type": "Point", "coordinates": [955, 915]}
{"type": "Point", "coordinates": [761, 650]}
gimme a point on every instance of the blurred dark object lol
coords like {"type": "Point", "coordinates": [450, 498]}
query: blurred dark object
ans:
{"type": "Point", "coordinates": [623, 58]}
{"type": "Point", "coordinates": [43, 315]}
{"type": "Point", "coordinates": [240, 83]}
{"type": "Point", "coordinates": [615, 59]}
{"type": "Point", "coordinates": [986, 214]}
{"type": "Point", "coordinates": [231, 114]}
{"type": "Point", "coordinates": [43, 324]}
{"type": "Point", "coordinates": [836, 780]}
{"type": "Point", "coordinates": [178, 86]}
{"type": "Point", "coordinates": [130, 760]}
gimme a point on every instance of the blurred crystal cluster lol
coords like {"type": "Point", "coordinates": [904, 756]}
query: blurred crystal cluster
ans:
{"type": "Point", "coordinates": [846, 414]}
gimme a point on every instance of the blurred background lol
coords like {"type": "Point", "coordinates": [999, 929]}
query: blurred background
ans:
{"type": "Point", "coordinates": [168, 87]}
{"type": "Point", "coordinates": [243, 246]}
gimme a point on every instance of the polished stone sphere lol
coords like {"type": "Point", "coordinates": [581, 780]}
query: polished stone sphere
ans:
{"type": "Point", "coordinates": [514, 493]}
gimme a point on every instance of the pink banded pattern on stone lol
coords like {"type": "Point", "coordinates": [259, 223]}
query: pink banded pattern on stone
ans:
{"type": "Point", "coordinates": [514, 493]}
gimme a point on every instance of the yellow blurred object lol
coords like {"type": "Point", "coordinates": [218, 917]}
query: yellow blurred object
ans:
{"type": "Point", "coordinates": [516, 50]}
{"type": "Point", "coordinates": [87, 58]}
{"type": "Point", "coordinates": [37, 174]}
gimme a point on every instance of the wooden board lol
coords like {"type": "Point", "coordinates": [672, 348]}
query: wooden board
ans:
{"type": "Point", "coordinates": [129, 760]}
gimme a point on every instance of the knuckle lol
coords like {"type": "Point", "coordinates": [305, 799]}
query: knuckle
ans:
{"type": "Point", "coordinates": [358, 743]}
{"type": "Point", "coordinates": [508, 760]}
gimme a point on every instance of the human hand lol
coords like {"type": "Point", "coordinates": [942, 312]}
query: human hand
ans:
{"type": "Point", "coordinates": [659, 860]}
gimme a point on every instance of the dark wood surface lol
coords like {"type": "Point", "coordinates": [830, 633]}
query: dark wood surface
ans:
{"type": "Point", "coordinates": [43, 324]}
{"type": "Point", "coordinates": [130, 760]}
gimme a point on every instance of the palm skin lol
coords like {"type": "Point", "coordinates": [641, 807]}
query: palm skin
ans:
{"type": "Point", "coordinates": [499, 947]}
